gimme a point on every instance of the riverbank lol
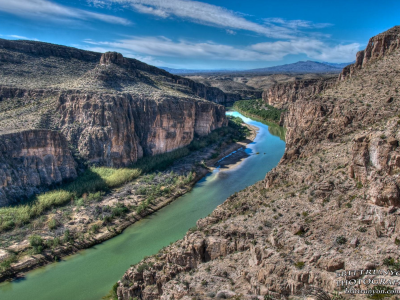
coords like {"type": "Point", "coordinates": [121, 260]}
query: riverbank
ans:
{"type": "Point", "coordinates": [259, 109]}
{"type": "Point", "coordinates": [273, 127]}
{"type": "Point", "coordinates": [196, 165]}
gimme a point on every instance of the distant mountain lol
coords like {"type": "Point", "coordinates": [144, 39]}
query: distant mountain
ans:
{"type": "Point", "coordinates": [302, 67]}
{"type": "Point", "coordinates": [192, 71]}
{"type": "Point", "coordinates": [339, 65]}
{"type": "Point", "coordinates": [298, 67]}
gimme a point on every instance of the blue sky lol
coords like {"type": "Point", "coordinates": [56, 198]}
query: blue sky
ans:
{"type": "Point", "coordinates": [204, 34]}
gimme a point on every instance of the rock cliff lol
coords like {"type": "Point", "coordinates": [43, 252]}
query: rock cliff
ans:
{"type": "Point", "coordinates": [105, 108]}
{"type": "Point", "coordinates": [31, 160]}
{"type": "Point", "coordinates": [332, 204]}
{"type": "Point", "coordinates": [378, 46]}
{"type": "Point", "coordinates": [281, 94]}
{"type": "Point", "coordinates": [116, 130]}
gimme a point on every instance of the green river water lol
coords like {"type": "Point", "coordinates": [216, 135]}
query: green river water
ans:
{"type": "Point", "coordinates": [90, 274]}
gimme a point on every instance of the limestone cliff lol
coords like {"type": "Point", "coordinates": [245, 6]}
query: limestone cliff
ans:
{"type": "Point", "coordinates": [281, 94]}
{"type": "Point", "coordinates": [116, 130]}
{"type": "Point", "coordinates": [378, 46]}
{"type": "Point", "coordinates": [31, 160]}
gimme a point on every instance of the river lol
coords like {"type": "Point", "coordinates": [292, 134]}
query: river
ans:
{"type": "Point", "coordinates": [90, 274]}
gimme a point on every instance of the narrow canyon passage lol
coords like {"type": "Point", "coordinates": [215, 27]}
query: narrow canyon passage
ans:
{"type": "Point", "coordinates": [90, 274]}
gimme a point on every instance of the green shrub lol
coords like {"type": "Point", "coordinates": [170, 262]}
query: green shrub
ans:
{"type": "Point", "coordinates": [144, 266]}
{"type": "Point", "coordinates": [391, 263]}
{"type": "Point", "coordinates": [36, 243]}
{"type": "Point", "coordinates": [5, 264]}
{"type": "Point", "coordinates": [299, 265]}
{"type": "Point", "coordinates": [95, 228]}
{"type": "Point", "coordinates": [119, 210]}
{"type": "Point", "coordinates": [378, 294]}
{"type": "Point", "coordinates": [53, 224]}
{"type": "Point", "coordinates": [68, 238]}
{"type": "Point", "coordinates": [341, 240]}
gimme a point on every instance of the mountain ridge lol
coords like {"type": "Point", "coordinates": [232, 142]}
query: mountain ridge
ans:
{"type": "Point", "coordinates": [308, 66]}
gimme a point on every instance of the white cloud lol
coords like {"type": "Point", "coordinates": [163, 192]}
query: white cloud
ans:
{"type": "Point", "coordinates": [203, 13]}
{"type": "Point", "coordinates": [21, 37]}
{"type": "Point", "coordinates": [295, 24]}
{"type": "Point", "coordinates": [150, 10]}
{"type": "Point", "coordinates": [271, 51]}
{"type": "Point", "coordinates": [47, 10]}
{"type": "Point", "coordinates": [231, 32]}
{"type": "Point", "coordinates": [314, 49]}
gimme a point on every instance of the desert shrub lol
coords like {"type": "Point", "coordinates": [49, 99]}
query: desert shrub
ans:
{"type": "Point", "coordinates": [36, 243]}
{"type": "Point", "coordinates": [119, 210]}
{"type": "Point", "coordinates": [95, 228]}
{"type": "Point", "coordinates": [341, 240]}
{"type": "Point", "coordinates": [299, 265]}
{"type": "Point", "coordinates": [53, 224]}
{"type": "Point", "coordinates": [144, 266]}
{"type": "Point", "coordinates": [381, 292]}
{"type": "Point", "coordinates": [68, 237]}
{"type": "Point", "coordinates": [5, 264]}
{"type": "Point", "coordinates": [391, 263]}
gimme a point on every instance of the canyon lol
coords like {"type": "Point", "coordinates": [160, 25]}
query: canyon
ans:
{"type": "Point", "coordinates": [332, 203]}
{"type": "Point", "coordinates": [63, 108]}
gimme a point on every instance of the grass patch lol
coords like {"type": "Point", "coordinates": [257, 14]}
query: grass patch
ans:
{"type": "Point", "coordinates": [89, 186]}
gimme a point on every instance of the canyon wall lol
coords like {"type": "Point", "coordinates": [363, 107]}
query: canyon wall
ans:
{"type": "Point", "coordinates": [279, 95]}
{"type": "Point", "coordinates": [31, 160]}
{"type": "Point", "coordinates": [116, 130]}
{"type": "Point", "coordinates": [378, 46]}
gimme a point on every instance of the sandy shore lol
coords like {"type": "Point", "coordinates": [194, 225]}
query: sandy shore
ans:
{"type": "Point", "coordinates": [233, 155]}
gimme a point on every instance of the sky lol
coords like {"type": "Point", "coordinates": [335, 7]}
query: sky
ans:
{"type": "Point", "coordinates": [219, 34]}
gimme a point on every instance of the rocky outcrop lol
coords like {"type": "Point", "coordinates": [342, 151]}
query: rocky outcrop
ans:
{"type": "Point", "coordinates": [33, 160]}
{"type": "Point", "coordinates": [378, 46]}
{"type": "Point", "coordinates": [281, 94]}
{"type": "Point", "coordinates": [206, 92]}
{"type": "Point", "coordinates": [376, 161]}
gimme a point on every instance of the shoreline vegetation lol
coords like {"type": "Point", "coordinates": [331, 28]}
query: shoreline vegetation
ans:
{"type": "Point", "coordinates": [259, 109]}
{"type": "Point", "coordinates": [261, 112]}
{"type": "Point", "coordinates": [103, 201]}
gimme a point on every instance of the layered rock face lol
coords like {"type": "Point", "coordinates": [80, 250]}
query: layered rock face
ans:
{"type": "Point", "coordinates": [281, 94]}
{"type": "Point", "coordinates": [30, 160]}
{"type": "Point", "coordinates": [108, 109]}
{"type": "Point", "coordinates": [378, 46]}
{"type": "Point", "coordinates": [117, 130]}
{"type": "Point", "coordinates": [332, 204]}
